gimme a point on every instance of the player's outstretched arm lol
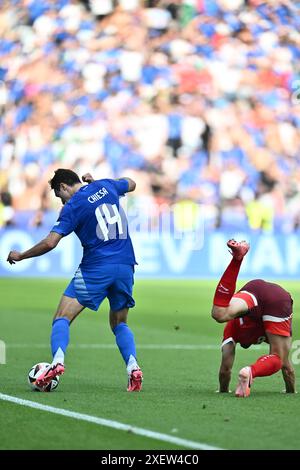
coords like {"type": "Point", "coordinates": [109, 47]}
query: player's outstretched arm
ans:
{"type": "Point", "coordinates": [228, 354]}
{"type": "Point", "coordinates": [236, 308]}
{"type": "Point", "coordinates": [45, 245]}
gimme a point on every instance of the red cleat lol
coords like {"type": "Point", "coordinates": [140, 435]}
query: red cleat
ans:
{"type": "Point", "coordinates": [244, 384]}
{"type": "Point", "coordinates": [135, 380]}
{"type": "Point", "coordinates": [238, 249]}
{"type": "Point", "coordinates": [50, 373]}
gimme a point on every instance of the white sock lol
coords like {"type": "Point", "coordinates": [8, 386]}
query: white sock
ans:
{"type": "Point", "coordinates": [131, 364]}
{"type": "Point", "coordinates": [59, 356]}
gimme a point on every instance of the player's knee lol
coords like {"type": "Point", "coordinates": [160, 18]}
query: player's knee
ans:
{"type": "Point", "coordinates": [114, 323]}
{"type": "Point", "coordinates": [217, 314]}
{"type": "Point", "coordinates": [64, 314]}
{"type": "Point", "coordinates": [115, 318]}
{"type": "Point", "coordinates": [277, 360]}
{"type": "Point", "coordinates": [278, 352]}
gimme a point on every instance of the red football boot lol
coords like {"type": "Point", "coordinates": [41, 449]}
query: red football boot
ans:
{"type": "Point", "coordinates": [50, 373]}
{"type": "Point", "coordinates": [135, 380]}
{"type": "Point", "coordinates": [244, 384]}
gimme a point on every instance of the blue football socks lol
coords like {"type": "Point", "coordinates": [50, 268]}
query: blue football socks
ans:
{"type": "Point", "coordinates": [60, 335]}
{"type": "Point", "coordinates": [125, 341]}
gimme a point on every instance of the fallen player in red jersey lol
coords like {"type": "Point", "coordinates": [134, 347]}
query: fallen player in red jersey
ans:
{"type": "Point", "coordinates": [260, 311]}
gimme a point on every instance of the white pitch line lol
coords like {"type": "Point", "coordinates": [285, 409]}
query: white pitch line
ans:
{"type": "Point", "coordinates": [187, 347]}
{"type": "Point", "coordinates": [110, 424]}
{"type": "Point", "coordinates": [113, 346]}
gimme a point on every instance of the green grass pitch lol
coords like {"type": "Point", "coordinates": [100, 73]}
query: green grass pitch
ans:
{"type": "Point", "coordinates": [178, 397]}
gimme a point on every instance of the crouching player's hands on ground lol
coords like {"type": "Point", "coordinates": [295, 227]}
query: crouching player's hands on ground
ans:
{"type": "Point", "coordinates": [288, 373]}
{"type": "Point", "coordinates": [14, 256]}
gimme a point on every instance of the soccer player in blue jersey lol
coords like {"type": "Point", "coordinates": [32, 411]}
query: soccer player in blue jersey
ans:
{"type": "Point", "coordinates": [93, 212]}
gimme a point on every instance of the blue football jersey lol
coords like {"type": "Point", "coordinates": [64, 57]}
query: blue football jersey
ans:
{"type": "Point", "coordinates": [95, 215]}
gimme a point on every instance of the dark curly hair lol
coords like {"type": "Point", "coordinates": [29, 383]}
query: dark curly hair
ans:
{"type": "Point", "coordinates": [62, 175]}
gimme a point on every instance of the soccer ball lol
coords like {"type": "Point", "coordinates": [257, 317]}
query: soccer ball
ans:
{"type": "Point", "coordinates": [34, 374]}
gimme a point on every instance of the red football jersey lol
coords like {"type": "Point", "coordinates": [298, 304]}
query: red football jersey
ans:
{"type": "Point", "coordinates": [270, 310]}
{"type": "Point", "coordinates": [245, 331]}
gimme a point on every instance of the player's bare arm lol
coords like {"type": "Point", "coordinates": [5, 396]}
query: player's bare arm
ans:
{"type": "Point", "coordinates": [88, 178]}
{"type": "Point", "coordinates": [281, 345]}
{"type": "Point", "coordinates": [236, 308]}
{"type": "Point", "coordinates": [131, 184]}
{"type": "Point", "coordinates": [228, 354]}
{"type": "Point", "coordinates": [45, 245]}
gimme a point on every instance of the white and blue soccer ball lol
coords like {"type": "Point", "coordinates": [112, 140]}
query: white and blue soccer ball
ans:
{"type": "Point", "coordinates": [34, 374]}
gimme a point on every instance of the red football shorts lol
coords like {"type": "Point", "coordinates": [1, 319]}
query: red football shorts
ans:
{"type": "Point", "coordinates": [281, 326]}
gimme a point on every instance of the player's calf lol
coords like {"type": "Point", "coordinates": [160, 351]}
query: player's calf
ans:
{"type": "Point", "coordinates": [226, 287]}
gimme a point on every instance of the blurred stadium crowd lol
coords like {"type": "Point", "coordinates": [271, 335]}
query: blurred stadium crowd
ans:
{"type": "Point", "coordinates": [198, 100]}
